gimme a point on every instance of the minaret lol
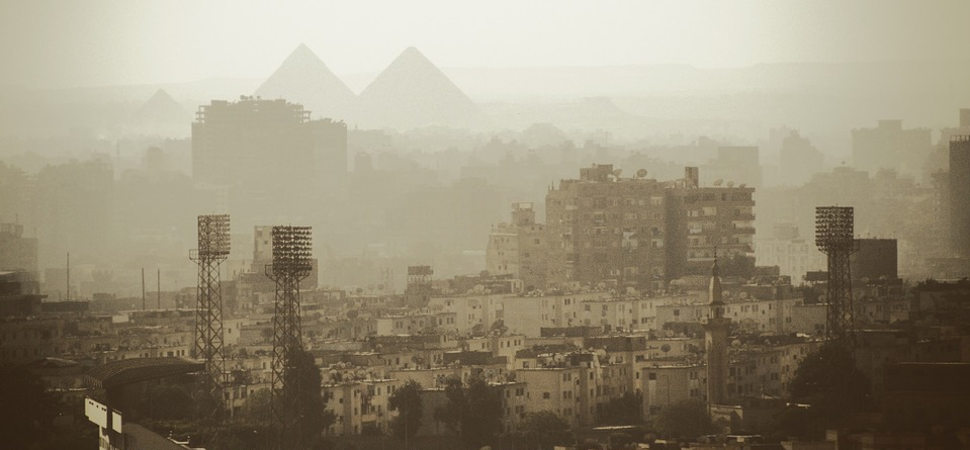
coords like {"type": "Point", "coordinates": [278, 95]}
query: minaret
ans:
{"type": "Point", "coordinates": [715, 341]}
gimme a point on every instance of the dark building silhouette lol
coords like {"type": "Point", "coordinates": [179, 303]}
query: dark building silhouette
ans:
{"type": "Point", "coordinates": [874, 260]}
{"type": "Point", "coordinates": [959, 197]}
{"type": "Point", "coordinates": [256, 144]}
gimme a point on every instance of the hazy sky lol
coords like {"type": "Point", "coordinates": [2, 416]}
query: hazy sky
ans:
{"type": "Point", "coordinates": [96, 42]}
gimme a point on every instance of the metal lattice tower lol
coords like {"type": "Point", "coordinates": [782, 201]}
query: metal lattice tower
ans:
{"type": "Point", "coordinates": [834, 237]}
{"type": "Point", "coordinates": [291, 264]}
{"type": "Point", "coordinates": [213, 250]}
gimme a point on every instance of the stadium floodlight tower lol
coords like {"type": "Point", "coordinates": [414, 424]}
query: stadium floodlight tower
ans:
{"type": "Point", "coordinates": [291, 264]}
{"type": "Point", "coordinates": [213, 250]}
{"type": "Point", "coordinates": [834, 237]}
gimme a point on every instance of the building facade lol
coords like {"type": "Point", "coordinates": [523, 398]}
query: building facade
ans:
{"type": "Point", "coordinates": [519, 248]}
{"type": "Point", "coordinates": [605, 228]}
{"type": "Point", "coordinates": [959, 192]}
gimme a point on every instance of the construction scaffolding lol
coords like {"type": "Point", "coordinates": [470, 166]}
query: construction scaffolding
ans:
{"type": "Point", "coordinates": [213, 241]}
{"type": "Point", "coordinates": [834, 236]}
{"type": "Point", "coordinates": [291, 263]}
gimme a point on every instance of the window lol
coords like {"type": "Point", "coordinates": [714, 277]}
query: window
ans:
{"type": "Point", "coordinates": [545, 395]}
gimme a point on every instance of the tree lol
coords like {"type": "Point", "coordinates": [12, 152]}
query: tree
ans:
{"type": "Point", "coordinates": [686, 419]}
{"type": "Point", "coordinates": [31, 409]}
{"type": "Point", "coordinates": [474, 411]}
{"type": "Point", "coordinates": [829, 381]}
{"type": "Point", "coordinates": [302, 378]}
{"type": "Point", "coordinates": [542, 430]}
{"type": "Point", "coordinates": [625, 410]}
{"type": "Point", "coordinates": [407, 402]}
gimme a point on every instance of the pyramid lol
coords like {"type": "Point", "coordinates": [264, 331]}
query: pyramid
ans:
{"type": "Point", "coordinates": [303, 78]}
{"type": "Point", "coordinates": [161, 108]}
{"type": "Point", "coordinates": [412, 93]}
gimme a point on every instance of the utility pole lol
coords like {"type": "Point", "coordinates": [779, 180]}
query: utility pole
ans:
{"type": "Point", "coordinates": [143, 289]}
{"type": "Point", "coordinates": [158, 289]}
{"type": "Point", "coordinates": [67, 293]}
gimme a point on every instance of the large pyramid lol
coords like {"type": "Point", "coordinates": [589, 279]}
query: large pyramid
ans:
{"type": "Point", "coordinates": [303, 78]}
{"type": "Point", "coordinates": [413, 93]}
{"type": "Point", "coordinates": [161, 108]}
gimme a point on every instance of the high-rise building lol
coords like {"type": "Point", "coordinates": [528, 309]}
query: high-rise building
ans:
{"type": "Point", "coordinates": [638, 232]}
{"type": "Point", "coordinates": [16, 251]}
{"type": "Point", "coordinates": [258, 144]}
{"type": "Point", "coordinates": [715, 220]}
{"type": "Point", "coordinates": [889, 146]}
{"type": "Point", "coordinates": [519, 248]}
{"type": "Point", "coordinates": [605, 228]}
{"type": "Point", "coordinates": [959, 193]}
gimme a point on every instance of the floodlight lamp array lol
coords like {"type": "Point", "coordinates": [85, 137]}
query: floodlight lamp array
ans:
{"type": "Point", "coordinates": [834, 228]}
{"type": "Point", "coordinates": [292, 250]}
{"type": "Point", "coordinates": [214, 242]}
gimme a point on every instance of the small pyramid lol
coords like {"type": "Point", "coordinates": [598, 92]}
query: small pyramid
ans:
{"type": "Point", "coordinates": [412, 92]}
{"type": "Point", "coordinates": [303, 78]}
{"type": "Point", "coordinates": [161, 108]}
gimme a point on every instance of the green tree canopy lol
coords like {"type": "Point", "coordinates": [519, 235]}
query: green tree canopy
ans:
{"type": "Point", "coordinates": [302, 378]}
{"type": "Point", "coordinates": [542, 430]}
{"type": "Point", "coordinates": [406, 400]}
{"type": "Point", "coordinates": [829, 381]}
{"type": "Point", "coordinates": [30, 408]}
{"type": "Point", "coordinates": [474, 411]}
{"type": "Point", "coordinates": [686, 419]}
{"type": "Point", "coordinates": [625, 410]}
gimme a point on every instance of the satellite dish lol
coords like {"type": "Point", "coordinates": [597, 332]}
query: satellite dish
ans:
{"type": "Point", "coordinates": [641, 173]}
{"type": "Point", "coordinates": [718, 182]}
{"type": "Point", "coordinates": [730, 184]}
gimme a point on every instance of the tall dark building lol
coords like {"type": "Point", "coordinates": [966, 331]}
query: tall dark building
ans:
{"type": "Point", "coordinates": [960, 194]}
{"type": "Point", "coordinates": [258, 144]}
{"type": "Point", "coordinates": [874, 260]}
